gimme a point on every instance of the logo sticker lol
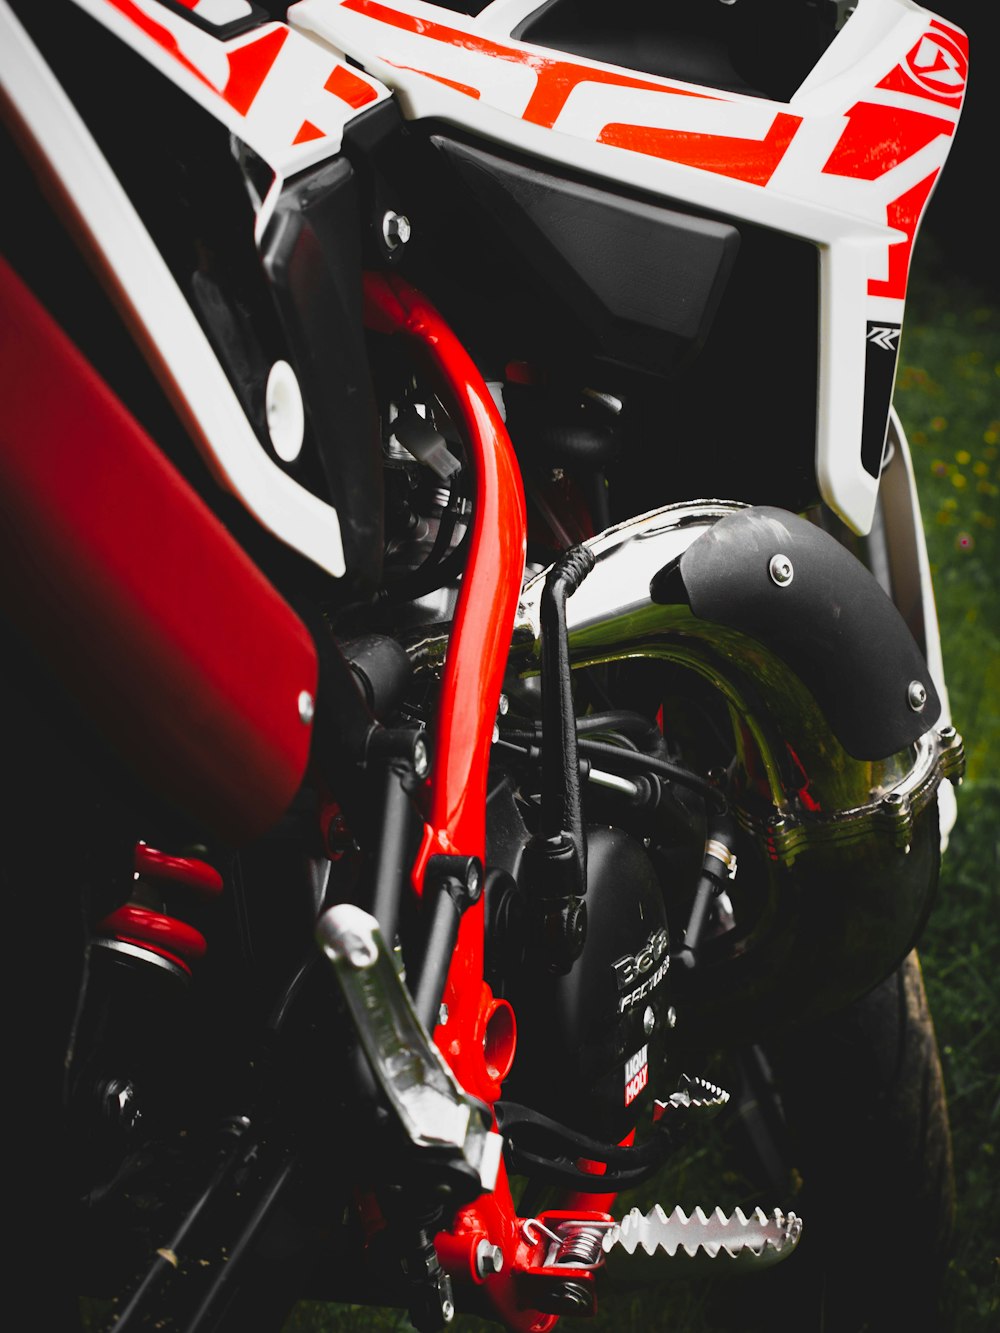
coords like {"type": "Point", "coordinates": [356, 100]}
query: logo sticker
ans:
{"type": "Point", "coordinates": [884, 336]}
{"type": "Point", "coordinates": [647, 968]}
{"type": "Point", "coordinates": [938, 64]}
{"type": "Point", "coordinates": [636, 1074]}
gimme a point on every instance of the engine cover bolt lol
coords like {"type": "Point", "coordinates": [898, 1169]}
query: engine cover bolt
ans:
{"type": "Point", "coordinates": [648, 1020]}
{"type": "Point", "coordinates": [489, 1258]}
{"type": "Point", "coordinates": [781, 570]}
{"type": "Point", "coordinates": [396, 229]}
{"type": "Point", "coordinates": [916, 695]}
{"type": "Point", "coordinates": [671, 1017]}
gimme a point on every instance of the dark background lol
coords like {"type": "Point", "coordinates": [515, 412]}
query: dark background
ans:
{"type": "Point", "coordinates": [962, 213]}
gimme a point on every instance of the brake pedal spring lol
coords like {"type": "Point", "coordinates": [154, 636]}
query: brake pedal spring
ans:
{"type": "Point", "coordinates": [580, 1245]}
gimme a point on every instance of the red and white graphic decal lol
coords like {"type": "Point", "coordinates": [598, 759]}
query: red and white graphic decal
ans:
{"type": "Point", "coordinates": [847, 163]}
{"type": "Point", "coordinates": [219, 13]}
{"type": "Point", "coordinates": [284, 95]}
{"type": "Point", "coordinates": [937, 67]}
{"type": "Point", "coordinates": [743, 138]}
{"type": "Point", "coordinates": [552, 81]}
{"type": "Point", "coordinates": [636, 1074]}
{"type": "Point", "coordinates": [879, 138]}
{"type": "Point", "coordinates": [752, 160]}
{"type": "Point", "coordinates": [555, 77]}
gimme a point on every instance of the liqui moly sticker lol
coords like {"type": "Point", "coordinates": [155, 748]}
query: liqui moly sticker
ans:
{"type": "Point", "coordinates": [636, 1074]}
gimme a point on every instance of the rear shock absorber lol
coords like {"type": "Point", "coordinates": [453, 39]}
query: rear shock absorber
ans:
{"type": "Point", "coordinates": [145, 929]}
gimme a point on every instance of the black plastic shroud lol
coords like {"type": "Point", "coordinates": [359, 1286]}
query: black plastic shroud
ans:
{"type": "Point", "coordinates": [830, 622]}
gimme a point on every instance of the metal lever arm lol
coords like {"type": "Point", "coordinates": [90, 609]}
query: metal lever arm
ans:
{"type": "Point", "coordinates": [431, 1108]}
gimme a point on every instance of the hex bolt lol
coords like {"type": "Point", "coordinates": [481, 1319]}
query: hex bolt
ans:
{"type": "Point", "coordinates": [781, 570]}
{"type": "Point", "coordinates": [489, 1258]}
{"type": "Point", "coordinates": [442, 1015]}
{"type": "Point", "coordinates": [648, 1020]}
{"type": "Point", "coordinates": [421, 760]}
{"type": "Point", "coordinates": [307, 707]}
{"type": "Point", "coordinates": [396, 229]}
{"type": "Point", "coordinates": [447, 1311]}
{"type": "Point", "coordinates": [916, 695]}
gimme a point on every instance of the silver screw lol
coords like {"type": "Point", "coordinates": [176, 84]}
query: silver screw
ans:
{"type": "Point", "coordinates": [442, 1015]}
{"type": "Point", "coordinates": [307, 707]}
{"type": "Point", "coordinates": [648, 1020]}
{"type": "Point", "coordinates": [489, 1258]}
{"type": "Point", "coordinates": [916, 695]}
{"type": "Point", "coordinates": [672, 1017]}
{"type": "Point", "coordinates": [781, 570]}
{"type": "Point", "coordinates": [504, 705]}
{"type": "Point", "coordinates": [421, 761]}
{"type": "Point", "coordinates": [447, 1311]}
{"type": "Point", "coordinates": [396, 229]}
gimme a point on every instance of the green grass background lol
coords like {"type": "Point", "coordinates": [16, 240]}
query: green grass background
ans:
{"type": "Point", "coordinates": [948, 397]}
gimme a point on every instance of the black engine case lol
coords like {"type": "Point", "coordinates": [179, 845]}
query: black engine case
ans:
{"type": "Point", "coordinates": [590, 1044]}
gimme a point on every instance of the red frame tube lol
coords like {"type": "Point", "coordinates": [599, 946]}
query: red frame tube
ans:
{"type": "Point", "coordinates": [460, 753]}
{"type": "Point", "coordinates": [477, 648]}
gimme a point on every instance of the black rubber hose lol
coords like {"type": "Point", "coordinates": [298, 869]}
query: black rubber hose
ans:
{"type": "Point", "coordinates": [636, 726]}
{"type": "Point", "coordinates": [632, 759]}
{"type": "Point", "coordinates": [561, 804]}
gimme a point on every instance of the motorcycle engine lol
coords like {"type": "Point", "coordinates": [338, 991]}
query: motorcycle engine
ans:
{"type": "Point", "coordinates": [591, 1042]}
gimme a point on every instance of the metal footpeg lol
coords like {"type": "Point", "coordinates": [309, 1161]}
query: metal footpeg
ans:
{"type": "Point", "coordinates": [693, 1094]}
{"type": "Point", "coordinates": [639, 1246]}
{"type": "Point", "coordinates": [431, 1108]}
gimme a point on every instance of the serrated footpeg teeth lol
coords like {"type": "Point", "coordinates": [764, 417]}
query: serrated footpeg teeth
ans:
{"type": "Point", "coordinates": [643, 1242]}
{"type": "Point", "coordinates": [693, 1094]}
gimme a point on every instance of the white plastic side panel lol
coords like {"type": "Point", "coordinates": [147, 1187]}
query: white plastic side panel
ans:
{"type": "Point", "coordinates": [193, 375]}
{"type": "Point", "coordinates": [286, 97]}
{"type": "Point", "coordinates": [904, 528]}
{"type": "Point", "coordinates": [848, 163]}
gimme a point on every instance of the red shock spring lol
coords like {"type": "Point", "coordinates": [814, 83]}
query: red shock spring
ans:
{"type": "Point", "coordinates": [145, 932]}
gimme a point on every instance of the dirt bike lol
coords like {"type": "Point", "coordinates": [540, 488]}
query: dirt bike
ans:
{"type": "Point", "coordinates": [471, 663]}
